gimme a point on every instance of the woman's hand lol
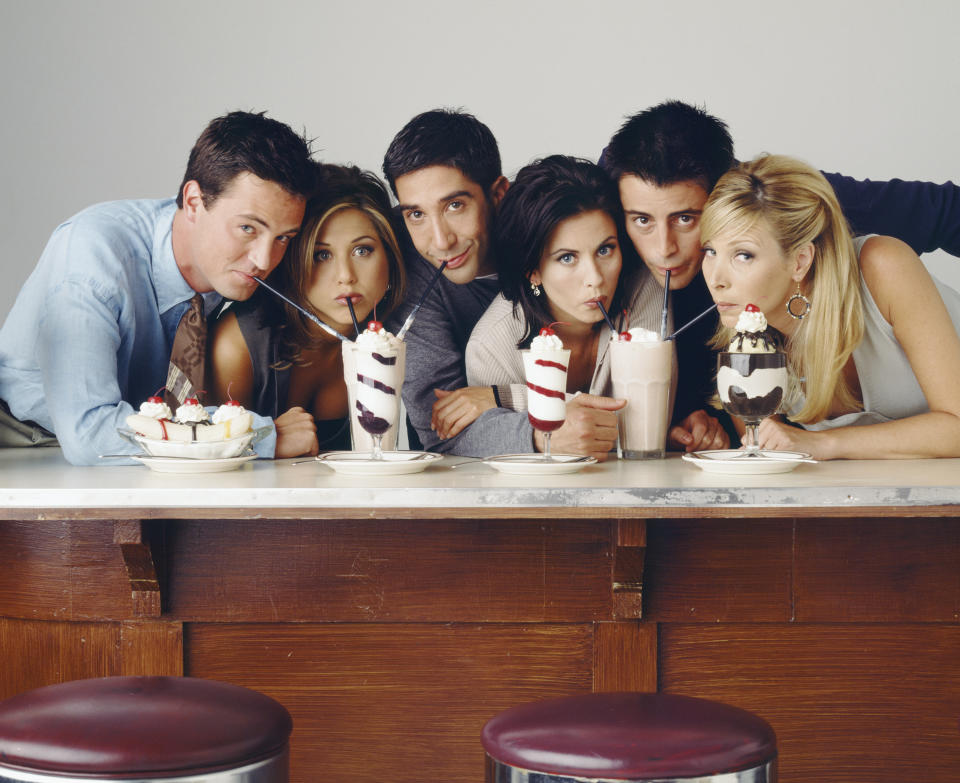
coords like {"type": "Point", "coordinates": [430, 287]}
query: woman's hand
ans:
{"type": "Point", "coordinates": [296, 434]}
{"type": "Point", "coordinates": [698, 432]}
{"type": "Point", "coordinates": [455, 410]}
{"type": "Point", "coordinates": [590, 427]}
{"type": "Point", "coordinates": [776, 435]}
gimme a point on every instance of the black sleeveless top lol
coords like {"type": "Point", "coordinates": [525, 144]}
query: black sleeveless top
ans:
{"type": "Point", "coordinates": [271, 386]}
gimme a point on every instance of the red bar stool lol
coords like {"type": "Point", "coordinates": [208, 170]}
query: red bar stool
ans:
{"type": "Point", "coordinates": [629, 737]}
{"type": "Point", "coordinates": [144, 729]}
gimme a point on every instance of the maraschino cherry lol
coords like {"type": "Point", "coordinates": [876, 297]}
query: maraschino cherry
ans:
{"type": "Point", "coordinates": [191, 401]}
{"type": "Point", "coordinates": [374, 326]}
{"type": "Point", "coordinates": [625, 337]}
{"type": "Point", "coordinates": [547, 331]}
{"type": "Point", "coordinates": [752, 308]}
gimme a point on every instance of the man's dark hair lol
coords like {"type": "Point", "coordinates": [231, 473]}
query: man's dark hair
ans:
{"type": "Point", "coordinates": [669, 143]}
{"type": "Point", "coordinates": [543, 195]}
{"type": "Point", "coordinates": [241, 142]}
{"type": "Point", "coordinates": [444, 137]}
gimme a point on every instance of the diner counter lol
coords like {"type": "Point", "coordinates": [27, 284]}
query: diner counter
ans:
{"type": "Point", "coordinates": [35, 482]}
{"type": "Point", "coordinates": [393, 616]}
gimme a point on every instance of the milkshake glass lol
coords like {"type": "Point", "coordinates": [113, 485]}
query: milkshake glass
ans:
{"type": "Point", "coordinates": [373, 370]}
{"type": "Point", "coordinates": [546, 373]}
{"type": "Point", "coordinates": [642, 371]}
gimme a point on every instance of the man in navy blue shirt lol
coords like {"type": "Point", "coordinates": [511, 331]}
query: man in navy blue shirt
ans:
{"type": "Point", "coordinates": [666, 161]}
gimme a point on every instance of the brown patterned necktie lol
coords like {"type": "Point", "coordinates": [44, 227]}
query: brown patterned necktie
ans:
{"type": "Point", "coordinates": [185, 375]}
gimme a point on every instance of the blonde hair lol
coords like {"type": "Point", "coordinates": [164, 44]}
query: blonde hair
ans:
{"type": "Point", "coordinates": [799, 206]}
{"type": "Point", "coordinates": [351, 188]}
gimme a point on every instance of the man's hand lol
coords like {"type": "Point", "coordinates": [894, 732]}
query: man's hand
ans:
{"type": "Point", "coordinates": [455, 410]}
{"type": "Point", "coordinates": [590, 427]}
{"type": "Point", "coordinates": [296, 434]}
{"type": "Point", "coordinates": [698, 432]}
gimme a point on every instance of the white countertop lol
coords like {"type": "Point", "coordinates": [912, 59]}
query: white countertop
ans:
{"type": "Point", "coordinates": [33, 480]}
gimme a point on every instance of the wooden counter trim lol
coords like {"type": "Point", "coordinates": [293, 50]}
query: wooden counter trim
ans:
{"type": "Point", "coordinates": [642, 512]}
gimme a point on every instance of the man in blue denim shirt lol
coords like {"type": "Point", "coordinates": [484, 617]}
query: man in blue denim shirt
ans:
{"type": "Point", "coordinates": [90, 334]}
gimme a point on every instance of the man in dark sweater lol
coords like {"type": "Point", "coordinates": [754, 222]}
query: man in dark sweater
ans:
{"type": "Point", "coordinates": [666, 161]}
{"type": "Point", "coordinates": [444, 168]}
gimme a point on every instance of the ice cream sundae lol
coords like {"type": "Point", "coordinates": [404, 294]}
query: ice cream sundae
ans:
{"type": "Point", "coordinates": [155, 408]}
{"type": "Point", "coordinates": [641, 368]}
{"type": "Point", "coordinates": [192, 412]}
{"type": "Point", "coordinates": [192, 423]}
{"type": "Point", "coordinates": [752, 373]}
{"type": "Point", "coordinates": [374, 375]}
{"type": "Point", "coordinates": [545, 366]}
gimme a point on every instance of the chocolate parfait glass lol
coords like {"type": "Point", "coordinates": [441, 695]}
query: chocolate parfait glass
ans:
{"type": "Point", "coordinates": [751, 387]}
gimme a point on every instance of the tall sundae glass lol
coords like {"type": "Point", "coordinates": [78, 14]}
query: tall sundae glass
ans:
{"type": "Point", "coordinates": [752, 375]}
{"type": "Point", "coordinates": [545, 366]}
{"type": "Point", "coordinates": [376, 373]}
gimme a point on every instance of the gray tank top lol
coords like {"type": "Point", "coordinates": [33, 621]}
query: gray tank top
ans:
{"type": "Point", "coordinates": [889, 387]}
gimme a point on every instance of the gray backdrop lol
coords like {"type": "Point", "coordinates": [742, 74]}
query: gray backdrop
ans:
{"type": "Point", "coordinates": [102, 99]}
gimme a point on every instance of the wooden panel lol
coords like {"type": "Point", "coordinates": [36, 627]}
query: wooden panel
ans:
{"type": "Point", "coordinates": [718, 571]}
{"type": "Point", "coordinates": [878, 570]}
{"type": "Point", "coordinates": [849, 703]}
{"type": "Point", "coordinates": [361, 570]}
{"type": "Point", "coordinates": [393, 702]}
{"type": "Point", "coordinates": [62, 571]}
{"type": "Point", "coordinates": [38, 653]}
{"type": "Point", "coordinates": [151, 649]}
{"type": "Point", "coordinates": [625, 657]}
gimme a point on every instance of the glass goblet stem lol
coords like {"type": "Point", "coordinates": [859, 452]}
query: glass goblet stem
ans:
{"type": "Point", "coordinates": [546, 446]}
{"type": "Point", "coordinates": [751, 441]}
{"type": "Point", "coordinates": [377, 451]}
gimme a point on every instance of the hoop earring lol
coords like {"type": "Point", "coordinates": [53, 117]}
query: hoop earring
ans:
{"type": "Point", "coordinates": [804, 304]}
{"type": "Point", "coordinates": [535, 289]}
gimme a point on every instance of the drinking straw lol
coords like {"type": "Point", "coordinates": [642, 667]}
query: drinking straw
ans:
{"type": "Point", "coordinates": [603, 310]}
{"type": "Point", "coordinates": [666, 307]}
{"type": "Point", "coordinates": [413, 313]}
{"type": "Point", "coordinates": [353, 315]}
{"type": "Point", "coordinates": [311, 316]}
{"type": "Point", "coordinates": [691, 322]}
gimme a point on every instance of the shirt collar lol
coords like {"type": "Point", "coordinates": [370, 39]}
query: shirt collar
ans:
{"type": "Point", "coordinates": [169, 283]}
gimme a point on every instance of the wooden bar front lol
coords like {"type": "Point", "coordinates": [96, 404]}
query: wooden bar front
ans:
{"type": "Point", "coordinates": [392, 634]}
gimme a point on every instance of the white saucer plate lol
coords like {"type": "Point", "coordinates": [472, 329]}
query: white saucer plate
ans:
{"type": "Point", "coordinates": [394, 463]}
{"type": "Point", "coordinates": [734, 461]}
{"type": "Point", "coordinates": [536, 465]}
{"type": "Point", "coordinates": [192, 465]}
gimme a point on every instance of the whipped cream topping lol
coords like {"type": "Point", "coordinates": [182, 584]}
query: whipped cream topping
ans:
{"type": "Point", "coordinates": [382, 342]}
{"type": "Point", "coordinates": [227, 412]}
{"type": "Point", "coordinates": [640, 335]}
{"type": "Point", "coordinates": [192, 413]}
{"type": "Point", "coordinates": [751, 322]}
{"type": "Point", "coordinates": [546, 342]}
{"type": "Point", "coordinates": [155, 410]}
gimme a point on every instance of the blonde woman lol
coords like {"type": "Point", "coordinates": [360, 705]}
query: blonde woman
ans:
{"type": "Point", "coordinates": [872, 338]}
{"type": "Point", "coordinates": [273, 359]}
